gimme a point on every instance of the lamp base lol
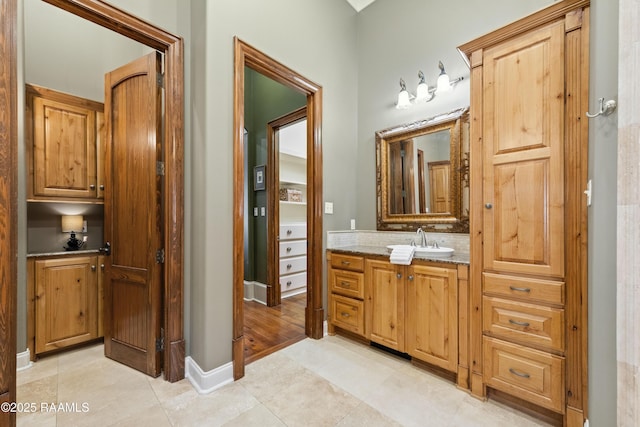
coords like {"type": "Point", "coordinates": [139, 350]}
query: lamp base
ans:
{"type": "Point", "coordinates": [73, 244]}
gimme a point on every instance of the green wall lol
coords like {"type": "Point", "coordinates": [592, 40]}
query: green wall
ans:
{"type": "Point", "coordinates": [265, 100]}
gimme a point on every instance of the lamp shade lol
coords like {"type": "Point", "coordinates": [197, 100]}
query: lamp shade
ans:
{"type": "Point", "coordinates": [443, 84]}
{"type": "Point", "coordinates": [72, 223]}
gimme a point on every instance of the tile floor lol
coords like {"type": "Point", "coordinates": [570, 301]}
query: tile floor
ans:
{"type": "Point", "coordinates": [328, 382]}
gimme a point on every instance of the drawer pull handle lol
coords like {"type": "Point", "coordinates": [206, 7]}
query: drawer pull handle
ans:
{"type": "Point", "coordinates": [289, 266]}
{"type": "Point", "coordinates": [345, 284]}
{"type": "Point", "coordinates": [515, 322]}
{"type": "Point", "coordinates": [289, 283]}
{"type": "Point", "coordinates": [519, 374]}
{"type": "Point", "coordinates": [288, 249]}
{"type": "Point", "coordinates": [346, 263]}
{"type": "Point", "coordinates": [517, 289]}
{"type": "Point", "coordinates": [345, 314]}
{"type": "Point", "coordinates": [289, 232]}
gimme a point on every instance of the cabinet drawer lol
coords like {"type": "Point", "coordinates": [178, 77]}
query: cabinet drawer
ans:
{"type": "Point", "coordinates": [527, 323]}
{"type": "Point", "coordinates": [533, 375]}
{"type": "Point", "coordinates": [347, 313]}
{"type": "Point", "coordinates": [347, 283]}
{"type": "Point", "coordinates": [294, 248]}
{"type": "Point", "coordinates": [293, 281]}
{"type": "Point", "coordinates": [293, 231]}
{"type": "Point", "coordinates": [523, 288]}
{"type": "Point", "coordinates": [347, 262]}
{"type": "Point", "coordinates": [293, 265]}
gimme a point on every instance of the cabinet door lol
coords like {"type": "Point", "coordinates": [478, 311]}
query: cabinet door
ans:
{"type": "Point", "coordinates": [523, 125]}
{"type": "Point", "coordinates": [66, 295]}
{"type": "Point", "coordinates": [64, 149]}
{"type": "Point", "coordinates": [432, 315]}
{"type": "Point", "coordinates": [385, 303]}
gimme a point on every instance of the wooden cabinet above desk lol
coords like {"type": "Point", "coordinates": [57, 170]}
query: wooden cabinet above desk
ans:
{"type": "Point", "coordinates": [65, 146]}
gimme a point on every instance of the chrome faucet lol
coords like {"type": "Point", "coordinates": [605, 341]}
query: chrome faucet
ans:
{"type": "Point", "coordinates": [423, 237]}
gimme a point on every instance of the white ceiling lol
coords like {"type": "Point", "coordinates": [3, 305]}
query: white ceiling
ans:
{"type": "Point", "coordinates": [358, 5]}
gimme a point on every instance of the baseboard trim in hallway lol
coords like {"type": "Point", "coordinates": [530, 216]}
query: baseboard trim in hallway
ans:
{"type": "Point", "coordinates": [206, 382]}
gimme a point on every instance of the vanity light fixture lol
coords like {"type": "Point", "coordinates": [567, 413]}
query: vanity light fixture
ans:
{"type": "Point", "coordinates": [423, 92]}
{"type": "Point", "coordinates": [404, 98]}
{"type": "Point", "coordinates": [72, 224]}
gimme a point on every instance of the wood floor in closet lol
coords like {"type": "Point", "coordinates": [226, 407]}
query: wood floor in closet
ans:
{"type": "Point", "coordinates": [269, 329]}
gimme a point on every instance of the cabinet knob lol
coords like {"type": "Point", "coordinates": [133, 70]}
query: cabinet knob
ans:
{"type": "Point", "coordinates": [289, 283]}
{"type": "Point", "coordinates": [289, 266]}
{"type": "Point", "coordinates": [102, 266]}
{"type": "Point", "coordinates": [93, 268]}
{"type": "Point", "coordinates": [288, 249]}
{"type": "Point", "coordinates": [92, 186]}
{"type": "Point", "coordinates": [101, 186]}
{"type": "Point", "coordinates": [410, 277]}
{"type": "Point", "coordinates": [488, 205]}
{"type": "Point", "coordinates": [399, 275]}
{"type": "Point", "coordinates": [289, 232]}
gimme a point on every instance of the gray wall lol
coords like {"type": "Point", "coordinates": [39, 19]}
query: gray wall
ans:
{"type": "Point", "coordinates": [603, 137]}
{"type": "Point", "coordinates": [315, 38]}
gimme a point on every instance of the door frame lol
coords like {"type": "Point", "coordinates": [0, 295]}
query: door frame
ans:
{"type": "Point", "coordinates": [273, 202]}
{"type": "Point", "coordinates": [246, 55]}
{"type": "Point", "coordinates": [172, 47]}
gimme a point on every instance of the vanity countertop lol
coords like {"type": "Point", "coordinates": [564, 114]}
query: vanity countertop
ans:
{"type": "Point", "coordinates": [63, 253]}
{"type": "Point", "coordinates": [456, 258]}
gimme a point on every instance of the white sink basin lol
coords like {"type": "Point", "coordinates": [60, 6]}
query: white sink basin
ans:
{"type": "Point", "coordinates": [434, 252]}
{"type": "Point", "coordinates": [429, 251]}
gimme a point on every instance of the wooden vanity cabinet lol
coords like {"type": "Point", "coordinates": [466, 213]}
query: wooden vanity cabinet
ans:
{"type": "Point", "coordinates": [421, 309]}
{"type": "Point", "coordinates": [414, 309]}
{"type": "Point", "coordinates": [66, 301]}
{"type": "Point", "coordinates": [65, 146]}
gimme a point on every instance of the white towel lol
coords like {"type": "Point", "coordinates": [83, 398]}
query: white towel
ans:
{"type": "Point", "coordinates": [402, 254]}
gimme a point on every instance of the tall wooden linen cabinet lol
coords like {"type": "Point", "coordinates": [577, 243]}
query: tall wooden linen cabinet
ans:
{"type": "Point", "coordinates": [529, 145]}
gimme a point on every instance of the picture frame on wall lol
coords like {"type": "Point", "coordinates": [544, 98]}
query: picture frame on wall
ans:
{"type": "Point", "coordinates": [259, 177]}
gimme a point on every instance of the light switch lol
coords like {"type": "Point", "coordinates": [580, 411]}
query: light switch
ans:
{"type": "Point", "coordinates": [328, 207]}
{"type": "Point", "coordinates": [255, 211]}
{"type": "Point", "coordinates": [263, 211]}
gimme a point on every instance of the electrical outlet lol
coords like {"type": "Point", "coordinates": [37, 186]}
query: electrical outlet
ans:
{"type": "Point", "coordinates": [353, 224]}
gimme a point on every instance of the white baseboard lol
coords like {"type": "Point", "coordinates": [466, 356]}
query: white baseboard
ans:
{"type": "Point", "coordinates": [255, 291]}
{"type": "Point", "coordinates": [325, 328]}
{"type": "Point", "coordinates": [206, 382]}
{"type": "Point", "coordinates": [23, 360]}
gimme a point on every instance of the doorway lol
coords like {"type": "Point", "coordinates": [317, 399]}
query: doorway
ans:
{"type": "Point", "coordinates": [173, 213]}
{"type": "Point", "coordinates": [247, 56]}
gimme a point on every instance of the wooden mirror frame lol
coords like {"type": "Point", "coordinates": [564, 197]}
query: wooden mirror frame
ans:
{"type": "Point", "coordinates": [456, 221]}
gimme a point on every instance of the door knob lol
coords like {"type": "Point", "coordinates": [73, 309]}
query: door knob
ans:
{"type": "Point", "coordinates": [106, 249]}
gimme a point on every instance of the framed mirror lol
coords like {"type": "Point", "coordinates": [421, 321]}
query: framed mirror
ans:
{"type": "Point", "coordinates": [422, 174]}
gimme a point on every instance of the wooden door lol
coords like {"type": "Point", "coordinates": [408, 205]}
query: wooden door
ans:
{"type": "Point", "coordinates": [432, 315]}
{"type": "Point", "coordinates": [385, 299]}
{"type": "Point", "coordinates": [64, 148]}
{"type": "Point", "coordinates": [133, 222]}
{"type": "Point", "coordinates": [439, 195]}
{"type": "Point", "coordinates": [523, 122]}
{"type": "Point", "coordinates": [66, 302]}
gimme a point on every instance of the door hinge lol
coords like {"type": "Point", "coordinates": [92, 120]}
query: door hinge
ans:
{"type": "Point", "coordinates": [160, 79]}
{"type": "Point", "coordinates": [160, 256]}
{"type": "Point", "coordinates": [160, 341]}
{"type": "Point", "coordinates": [160, 168]}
